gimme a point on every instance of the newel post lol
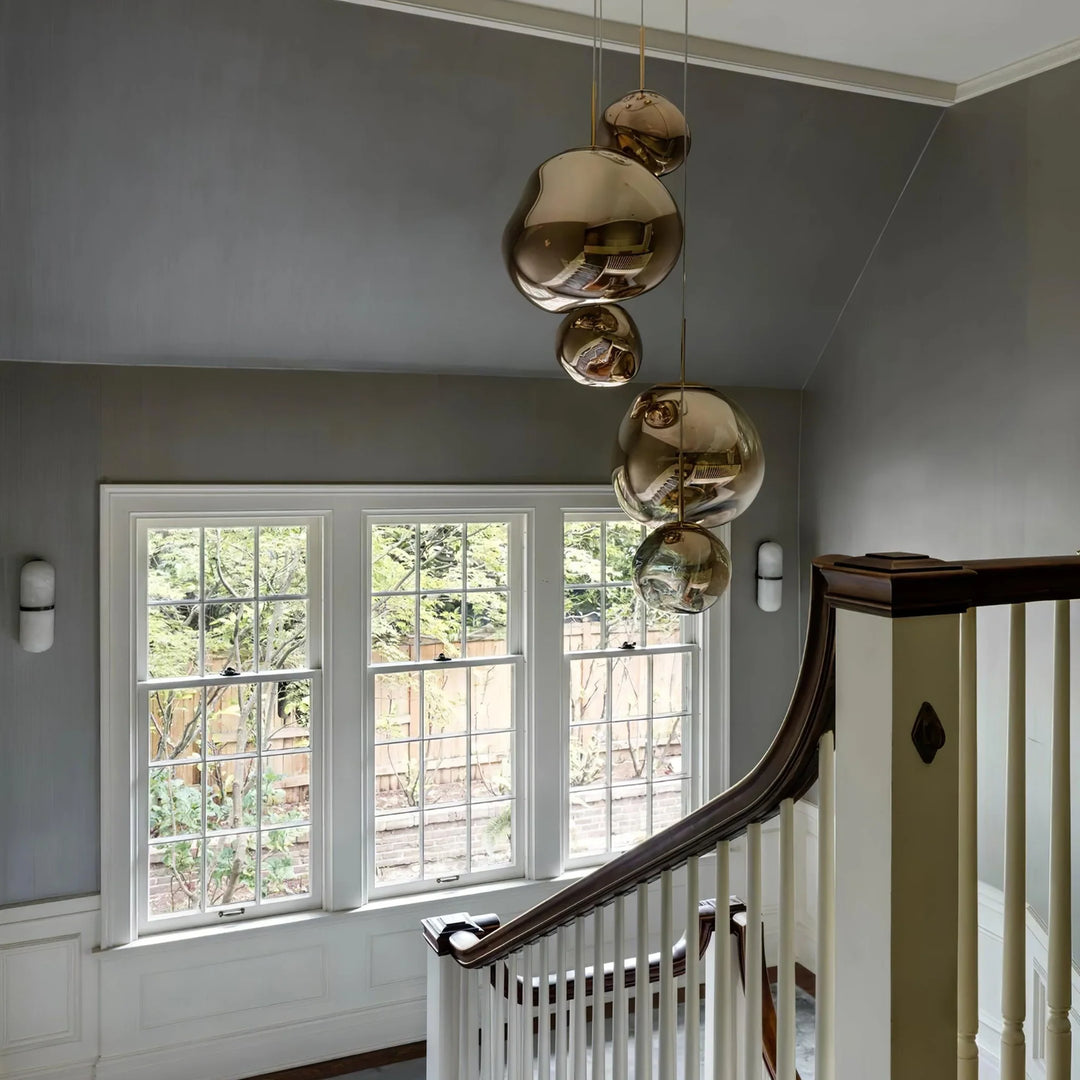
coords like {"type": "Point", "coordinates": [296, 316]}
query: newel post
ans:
{"type": "Point", "coordinates": [448, 1027]}
{"type": "Point", "coordinates": [897, 776]}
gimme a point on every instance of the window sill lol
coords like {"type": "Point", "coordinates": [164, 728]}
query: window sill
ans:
{"type": "Point", "coordinates": [477, 899]}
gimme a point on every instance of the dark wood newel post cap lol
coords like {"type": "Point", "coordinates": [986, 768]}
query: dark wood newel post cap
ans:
{"type": "Point", "coordinates": [439, 929]}
{"type": "Point", "coordinates": [896, 584]}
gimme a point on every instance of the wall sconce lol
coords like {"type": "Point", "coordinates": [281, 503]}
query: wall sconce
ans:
{"type": "Point", "coordinates": [37, 602]}
{"type": "Point", "coordinates": [770, 575]}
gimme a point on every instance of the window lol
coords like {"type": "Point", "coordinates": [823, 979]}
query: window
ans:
{"type": "Point", "coordinates": [319, 697]}
{"type": "Point", "coordinates": [631, 713]}
{"type": "Point", "coordinates": [227, 695]}
{"type": "Point", "coordinates": [445, 611]}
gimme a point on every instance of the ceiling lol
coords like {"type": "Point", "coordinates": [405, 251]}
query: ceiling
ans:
{"type": "Point", "coordinates": [922, 49]}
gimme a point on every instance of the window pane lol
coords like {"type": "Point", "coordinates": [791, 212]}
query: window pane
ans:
{"type": "Point", "coordinates": [581, 627]}
{"type": "Point", "coordinates": [581, 552]}
{"type": "Point", "coordinates": [630, 686]}
{"type": "Point", "coordinates": [283, 634]}
{"type": "Point", "coordinates": [623, 539]}
{"type": "Point", "coordinates": [629, 816]}
{"type": "Point", "coordinates": [485, 624]}
{"type": "Point", "coordinates": [668, 748]}
{"type": "Point", "coordinates": [229, 563]}
{"type": "Point", "coordinates": [444, 701]}
{"type": "Point", "coordinates": [393, 558]}
{"type": "Point", "coordinates": [397, 848]}
{"type": "Point", "coordinates": [175, 878]}
{"type": "Point", "coordinates": [622, 610]}
{"type": "Point", "coordinates": [230, 869]}
{"type": "Point", "coordinates": [393, 629]}
{"type": "Point", "coordinates": [175, 724]}
{"type": "Point", "coordinates": [282, 560]}
{"type": "Point", "coordinates": [588, 754]}
{"type": "Point", "coordinates": [175, 801]}
{"type": "Point", "coordinates": [172, 641]}
{"type": "Point", "coordinates": [489, 554]}
{"type": "Point", "coordinates": [629, 750]}
{"type": "Point", "coordinates": [440, 556]}
{"type": "Point", "coordinates": [669, 682]}
{"type": "Point", "coordinates": [397, 776]}
{"type": "Point", "coordinates": [492, 835]}
{"type": "Point", "coordinates": [230, 638]}
{"type": "Point", "coordinates": [445, 839]}
{"type": "Point", "coordinates": [231, 718]}
{"type": "Point", "coordinates": [440, 626]}
{"type": "Point", "coordinates": [231, 794]}
{"type": "Point", "coordinates": [286, 789]}
{"type": "Point", "coordinates": [286, 715]}
{"type": "Point", "coordinates": [397, 706]}
{"type": "Point", "coordinates": [588, 822]}
{"type": "Point", "coordinates": [588, 689]}
{"type": "Point", "coordinates": [492, 696]}
{"type": "Point", "coordinates": [492, 765]}
{"type": "Point", "coordinates": [444, 771]}
{"type": "Point", "coordinates": [664, 627]}
{"type": "Point", "coordinates": [286, 863]}
{"type": "Point", "coordinates": [669, 803]}
{"type": "Point", "coordinates": [172, 564]}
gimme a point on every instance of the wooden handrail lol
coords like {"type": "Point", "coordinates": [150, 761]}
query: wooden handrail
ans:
{"type": "Point", "coordinates": [787, 771]}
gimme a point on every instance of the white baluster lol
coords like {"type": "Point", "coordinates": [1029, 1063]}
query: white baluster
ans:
{"type": "Point", "coordinates": [1059, 975]}
{"type": "Point", "coordinates": [526, 1065]}
{"type": "Point", "coordinates": [1014, 977]}
{"type": "Point", "coordinates": [502, 1017]}
{"type": "Point", "coordinates": [472, 1024]}
{"type": "Point", "coordinates": [561, 962]}
{"type": "Point", "coordinates": [752, 1037]}
{"type": "Point", "coordinates": [668, 1031]}
{"type": "Point", "coordinates": [643, 1010]}
{"type": "Point", "coordinates": [825, 1003]}
{"type": "Point", "coordinates": [579, 1032]}
{"type": "Point", "coordinates": [492, 1037]}
{"type": "Point", "coordinates": [719, 1030]}
{"type": "Point", "coordinates": [598, 995]}
{"type": "Point", "coordinates": [619, 1013]}
{"type": "Point", "coordinates": [484, 1000]}
{"type": "Point", "coordinates": [543, 1067]}
{"type": "Point", "coordinates": [967, 953]}
{"type": "Point", "coordinates": [785, 974]}
{"type": "Point", "coordinates": [691, 1047]}
{"type": "Point", "coordinates": [513, 1037]}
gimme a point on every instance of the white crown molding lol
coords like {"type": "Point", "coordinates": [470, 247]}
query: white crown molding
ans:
{"type": "Point", "coordinates": [525, 18]}
{"type": "Point", "coordinates": [1019, 69]}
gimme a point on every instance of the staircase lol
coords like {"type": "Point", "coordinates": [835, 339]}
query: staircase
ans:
{"type": "Point", "coordinates": [883, 720]}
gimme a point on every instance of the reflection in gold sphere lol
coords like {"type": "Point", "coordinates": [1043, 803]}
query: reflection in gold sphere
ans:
{"type": "Point", "coordinates": [599, 345]}
{"type": "Point", "coordinates": [647, 126]}
{"type": "Point", "coordinates": [681, 567]}
{"type": "Point", "coordinates": [592, 226]}
{"type": "Point", "coordinates": [723, 463]}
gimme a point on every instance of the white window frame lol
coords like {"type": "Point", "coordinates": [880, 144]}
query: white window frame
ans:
{"type": "Point", "coordinates": [343, 752]}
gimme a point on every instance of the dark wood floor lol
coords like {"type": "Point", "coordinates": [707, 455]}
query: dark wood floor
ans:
{"type": "Point", "coordinates": [351, 1064]}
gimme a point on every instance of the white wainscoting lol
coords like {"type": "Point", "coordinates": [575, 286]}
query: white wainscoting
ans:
{"type": "Point", "coordinates": [991, 921]}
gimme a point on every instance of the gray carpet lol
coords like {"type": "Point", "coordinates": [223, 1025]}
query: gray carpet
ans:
{"type": "Point", "coordinates": [804, 1049]}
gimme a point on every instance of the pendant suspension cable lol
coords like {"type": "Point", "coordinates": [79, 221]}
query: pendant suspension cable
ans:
{"type": "Point", "coordinates": [595, 75]}
{"type": "Point", "coordinates": [682, 334]}
{"type": "Point", "coordinates": [600, 54]}
{"type": "Point", "coordinates": [641, 48]}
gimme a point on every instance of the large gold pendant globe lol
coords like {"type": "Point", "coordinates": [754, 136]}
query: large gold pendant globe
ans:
{"type": "Point", "coordinates": [593, 226]}
{"type": "Point", "coordinates": [722, 463]}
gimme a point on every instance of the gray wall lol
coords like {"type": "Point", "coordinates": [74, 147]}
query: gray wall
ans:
{"type": "Point", "coordinates": [310, 183]}
{"type": "Point", "coordinates": [943, 416]}
{"type": "Point", "coordinates": [64, 429]}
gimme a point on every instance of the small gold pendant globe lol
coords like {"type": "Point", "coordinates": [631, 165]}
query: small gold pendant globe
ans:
{"type": "Point", "coordinates": [648, 127]}
{"type": "Point", "coordinates": [681, 568]}
{"type": "Point", "coordinates": [599, 345]}
{"type": "Point", "coordinates": [720, 468]}
{"type": "Point", "coordinates": [592, 226]}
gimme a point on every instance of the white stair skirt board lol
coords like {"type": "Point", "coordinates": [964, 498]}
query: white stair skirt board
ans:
{"type": "Point", "coordinates": [55, 984]}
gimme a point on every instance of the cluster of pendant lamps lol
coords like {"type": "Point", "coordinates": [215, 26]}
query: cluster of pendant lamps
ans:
{"type": "Point", "coordinates": [596, 226]}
